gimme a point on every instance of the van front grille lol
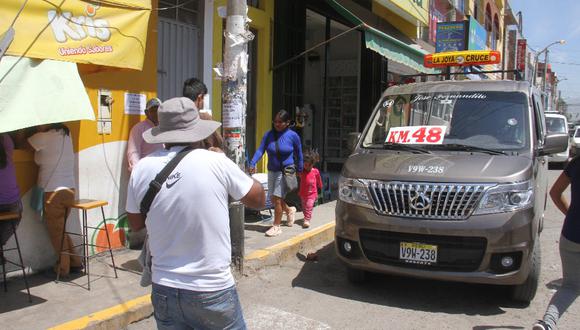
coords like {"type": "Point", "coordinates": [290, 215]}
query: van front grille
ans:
{"type": "Point", "coordinates": [426, 200]}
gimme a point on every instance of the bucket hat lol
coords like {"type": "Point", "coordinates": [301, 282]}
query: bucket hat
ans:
{"type": "Point", "coordinates": [179, 122]}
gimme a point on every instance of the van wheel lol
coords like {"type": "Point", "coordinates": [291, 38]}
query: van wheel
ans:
{"type": "Point", "coordinates": [356, 275]}
{"type": "Point", "coordinates": [526, 291]}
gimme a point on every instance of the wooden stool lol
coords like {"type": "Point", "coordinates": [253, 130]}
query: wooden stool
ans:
{"type": "Point", "coordinates": [12, 217]}
{"type": "Point", "coordinates": [84, 205]}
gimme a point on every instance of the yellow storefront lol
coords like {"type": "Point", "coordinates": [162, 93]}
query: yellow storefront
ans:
{"type": "Point", "coordinates": [113, 46]}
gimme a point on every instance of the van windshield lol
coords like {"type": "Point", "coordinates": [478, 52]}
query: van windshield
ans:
{"type": "Point", "coordinates": [487, 120]}
{"type": "Point", "coordinates": [556, 125]}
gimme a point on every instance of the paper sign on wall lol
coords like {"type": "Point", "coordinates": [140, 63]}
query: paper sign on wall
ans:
{"type": "Point", "coordinates": [135, 103]}
{"type": "Point", "coordinates": [232, 114]}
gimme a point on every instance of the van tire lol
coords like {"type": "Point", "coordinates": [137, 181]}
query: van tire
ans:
{"type": "Point", "coordinates": [356, 276]}
{"type": "Point", "coordinates": [526, 291]}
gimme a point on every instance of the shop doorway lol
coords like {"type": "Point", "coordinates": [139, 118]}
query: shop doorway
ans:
{"type": "Point", "coordinates": [331, 88]}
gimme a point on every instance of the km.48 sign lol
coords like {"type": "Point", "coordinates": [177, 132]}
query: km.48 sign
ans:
{"type": "Point", "coordinates": [416, 135]}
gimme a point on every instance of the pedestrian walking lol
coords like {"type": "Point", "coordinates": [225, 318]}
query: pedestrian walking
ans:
{"type": "Point", "coordinates": [56, 176]}
{"type": "Point", "coordinates": [188, 221]}
{"type": "Point", "coordinates": [136, 147]}
{"type": "Point", "coordinates": [569, 246]}
{"type": "Point", "coordinates": [9, 191]}
{"type": "Point", "coordinates": [282, 145]}
{"type": "Point", "coordinates": [310, 182]}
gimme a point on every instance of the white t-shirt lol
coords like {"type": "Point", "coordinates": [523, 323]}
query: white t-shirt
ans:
{"type": "Point", "coordinates": [55, 159]}
{"type": "Point", "coordinates": [188, 222]}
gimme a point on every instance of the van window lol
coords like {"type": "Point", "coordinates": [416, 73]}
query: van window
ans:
{"type": "Point", "coordinates": [577, 133]}
{"type": "Point", "coordinates": [539, 113]}
{"type": "Point", "coordinates": [556, 125]}
{"type": "Point", "coordinates": [493, 120]}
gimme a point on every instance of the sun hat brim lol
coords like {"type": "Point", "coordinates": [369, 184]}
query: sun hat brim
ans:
{"type": "Point", "coordinates": [200, 131]}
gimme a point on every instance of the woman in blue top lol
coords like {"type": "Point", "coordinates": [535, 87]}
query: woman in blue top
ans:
{"type": "Point", "coordinates": [289, 147]}
{"type": "Point", "coordinates": [569, 245]}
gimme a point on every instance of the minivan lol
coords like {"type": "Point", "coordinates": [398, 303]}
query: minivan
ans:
{"type": "Point", "coordinates": [448, 181]}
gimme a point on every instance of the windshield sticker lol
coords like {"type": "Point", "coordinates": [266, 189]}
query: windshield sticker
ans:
{"type": "Point", "coordinates": [438, 97]}
{"type": "Point", "coordinates": [414, 169]}
{"type": "Point", "coordinates": [416, 135]}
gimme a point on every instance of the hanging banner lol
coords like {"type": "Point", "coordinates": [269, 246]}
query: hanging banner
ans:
{"type": "Point", "coordinates": [108, 32]}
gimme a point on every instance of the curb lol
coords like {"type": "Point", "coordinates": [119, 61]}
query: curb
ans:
{"type": "Point", "coordinates": [120, 316]}
{"type": "Point", "coordinates": [116, 317]}
{"type": "Point", "coordinates": [280, 252]}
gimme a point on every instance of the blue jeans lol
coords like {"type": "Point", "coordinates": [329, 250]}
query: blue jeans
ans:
{"type": "Point", "coordinates": [185, 309]}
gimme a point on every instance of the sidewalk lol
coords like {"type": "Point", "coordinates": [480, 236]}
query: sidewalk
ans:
{"type": "Point", "coordinates": [114, 303]}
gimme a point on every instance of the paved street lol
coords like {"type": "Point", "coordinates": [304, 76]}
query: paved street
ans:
{"type": "Point", "coordinates": [316, 295]}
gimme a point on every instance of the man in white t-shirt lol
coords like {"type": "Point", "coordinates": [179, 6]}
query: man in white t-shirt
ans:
{"type": "Point", "coordinates": [188, 222]}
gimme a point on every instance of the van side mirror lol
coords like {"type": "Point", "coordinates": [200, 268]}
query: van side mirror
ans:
{"type": "Point", "coordinates": [554, 143]}
{"type": "Point", "coordinates": [352, 140]}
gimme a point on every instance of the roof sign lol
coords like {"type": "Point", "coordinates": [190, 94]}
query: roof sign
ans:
{"type": "Point", "coordinates": [462, 58]}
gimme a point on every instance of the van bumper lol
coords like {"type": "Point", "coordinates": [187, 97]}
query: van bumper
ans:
{"type": "Point", "coordinates": [468, 250]}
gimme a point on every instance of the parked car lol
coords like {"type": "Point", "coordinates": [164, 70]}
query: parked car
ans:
{"type": "Point", "coordinates": [557, 124]}
{"type": "Point", "coordinates": [448, 181]}
{"type": "Point", "coordinates": [575, 142]}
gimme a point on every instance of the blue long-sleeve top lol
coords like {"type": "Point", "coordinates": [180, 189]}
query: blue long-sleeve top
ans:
{"type": "Point", "coordinates": [289, 145]}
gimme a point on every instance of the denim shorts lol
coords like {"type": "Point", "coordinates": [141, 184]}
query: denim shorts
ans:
{"type": "Point", "coordinates": [185, 309]}
{"type": "Point", "coordinates": [276, 184]}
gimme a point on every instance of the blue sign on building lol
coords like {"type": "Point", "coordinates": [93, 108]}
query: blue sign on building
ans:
{"type": "Point", "coordinates": [450, 36]}
{"type": "Point", "coordinates": [477, 36]}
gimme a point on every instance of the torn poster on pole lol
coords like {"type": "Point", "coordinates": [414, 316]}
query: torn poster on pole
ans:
{"type": "Point", "coordinates": [233, 113]}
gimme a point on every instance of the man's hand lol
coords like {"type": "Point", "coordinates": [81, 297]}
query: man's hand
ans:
{"type": "Point", "coordinates": [252, 170]}
{"type": "Point", "coordinates": [256, 197]}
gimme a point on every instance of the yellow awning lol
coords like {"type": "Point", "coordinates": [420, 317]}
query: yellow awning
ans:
{"type": "Point", "coordinates": [111, 33]}
{"type": "Point", "coordinates": [35, 92]}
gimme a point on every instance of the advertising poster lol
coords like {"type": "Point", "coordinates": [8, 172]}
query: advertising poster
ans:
{"type": "Point", "coordinates": [450, 36]}
{"type": "Point", "coordinates": [477, 36]}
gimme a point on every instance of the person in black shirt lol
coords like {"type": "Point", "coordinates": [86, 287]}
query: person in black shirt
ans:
{"type": "Point", "coordinates": [569, 245]}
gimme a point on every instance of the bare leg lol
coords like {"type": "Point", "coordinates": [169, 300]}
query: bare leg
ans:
{"type": "Point", "coordinates": [279, 208]}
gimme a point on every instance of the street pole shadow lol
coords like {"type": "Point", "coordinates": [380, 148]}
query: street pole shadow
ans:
{"type": "Point", "coordinates": [324, 273]}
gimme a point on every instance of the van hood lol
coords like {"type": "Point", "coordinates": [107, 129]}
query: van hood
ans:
{"type": "Point", "coordinates": [460, 167]}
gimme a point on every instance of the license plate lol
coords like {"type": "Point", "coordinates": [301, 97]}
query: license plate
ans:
{"type": "Point", "coordinates": [418, 253]}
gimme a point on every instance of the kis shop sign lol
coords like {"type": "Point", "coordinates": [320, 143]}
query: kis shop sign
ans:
{"type": "Point", "coordinates": [109, 34]}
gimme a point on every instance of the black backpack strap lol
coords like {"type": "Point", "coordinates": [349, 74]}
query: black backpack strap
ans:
{"type": "Point", "coordinates": [156, 184]}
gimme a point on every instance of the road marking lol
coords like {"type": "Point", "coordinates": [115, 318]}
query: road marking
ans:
{"type": "Point", "coordinates": [266, 317]}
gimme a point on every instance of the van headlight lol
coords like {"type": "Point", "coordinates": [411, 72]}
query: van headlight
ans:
{"type": "Point", "coordinates": [353, 191]}
{"type": "Point", "coordinates": [506, 198]}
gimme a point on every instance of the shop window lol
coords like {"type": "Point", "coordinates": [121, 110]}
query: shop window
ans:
{"type": "Point", "coordinates": [254, 3]}
{"type": "Point", "coordinates": [184, 11]}
{"type": "Point", "coordinates": [488, 25]}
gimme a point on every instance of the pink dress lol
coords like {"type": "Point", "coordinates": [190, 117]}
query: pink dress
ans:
{"type": "Point", "coordinates": [310, 182]}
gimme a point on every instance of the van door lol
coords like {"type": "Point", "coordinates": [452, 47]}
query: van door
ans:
{"type": "Point", "coordinates": [540, 163]}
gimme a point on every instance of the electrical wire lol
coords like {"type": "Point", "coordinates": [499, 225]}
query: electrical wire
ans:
{"type": "Point", "coordinates": [18, 14]}
{"type": "Point", "coordinates": [176, 6]}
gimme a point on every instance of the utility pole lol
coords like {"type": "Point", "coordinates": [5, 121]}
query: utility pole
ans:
{"type": "Point", "coordinates": [234, 100]}
{"type": "Point", "coordinates": [546, 101]}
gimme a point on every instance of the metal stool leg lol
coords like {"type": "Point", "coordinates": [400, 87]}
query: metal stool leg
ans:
{"type": "Point", "coordinates": [21, 262]}
{"type": "Point", "coordinates": [109, 242]}
{"type": "Point", "coordinates": [86, 249]}
{"type": "Point", "coordinates": [61, 244]}
{"type": "Point", "coordinates": [3, 268]}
